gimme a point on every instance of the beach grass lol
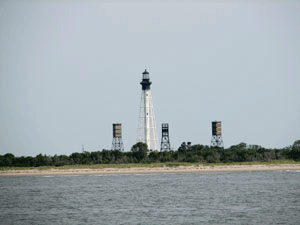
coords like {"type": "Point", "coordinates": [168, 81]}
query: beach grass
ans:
{"type": "Point", "coordinates": [149, 165]}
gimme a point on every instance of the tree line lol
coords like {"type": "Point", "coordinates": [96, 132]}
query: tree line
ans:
{"type": "Point", "coordinates": [139, 154]}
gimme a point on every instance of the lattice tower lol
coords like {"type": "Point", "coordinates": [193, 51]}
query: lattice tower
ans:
{"type": "Point", "coordinates": [165, 139]}
{"type": "Point", "coordinates": [216, 139]}
{"type": "Point", "coordinates": [117, 142]}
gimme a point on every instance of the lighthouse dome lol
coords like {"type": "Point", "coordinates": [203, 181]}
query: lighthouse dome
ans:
{"type": "Point", "coordinates": [145, 74]}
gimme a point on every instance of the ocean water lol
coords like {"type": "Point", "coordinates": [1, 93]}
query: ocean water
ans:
{"type": "Point", "coordinates": [271, 197]}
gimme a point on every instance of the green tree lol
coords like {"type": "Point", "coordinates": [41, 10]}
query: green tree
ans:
{"type": "Point", "coordinates": [295, 152]}
{"type": "Point", "coordinates": [139, 151]}
{"type": "Point", "coordinates": [106, 156]}
{"type": "Point", "coordinates": [154, 156]}
{"type": "Point", "coordinates": [9, 159]}
{"type": "Point", "coordinates": [296, 144]}
{"type": "Point", "coordinates": [43, 160]}
{"type": "Point", "coordinates": [184, 146]}
{"type": "Point", "coordinates": [241, 146]}
{"type": "Point", "coordinates": [76, 158]}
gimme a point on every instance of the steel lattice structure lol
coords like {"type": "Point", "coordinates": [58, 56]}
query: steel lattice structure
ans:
{"type": "Point", "coordinates": [165, 140]}
{"type": "Point", "coordinates": [117, 143]}
{"type": "Point", "coordinates": [216, 139]}
{"type": "Point", "coordinates": [147, 131]}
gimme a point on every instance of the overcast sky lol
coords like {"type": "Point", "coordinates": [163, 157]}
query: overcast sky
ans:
{"type": "Point", "coordinates": [70, 69]}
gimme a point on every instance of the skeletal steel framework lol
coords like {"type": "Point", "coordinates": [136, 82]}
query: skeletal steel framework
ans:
{"type": "Point", "coordinates": [216, 139]}
{"type": "Point", "coordinates": [165, 140]}
{"type": "Point", "coordinates": [147, 131]}
{"type": "Point", "coordinates": [117, 143]}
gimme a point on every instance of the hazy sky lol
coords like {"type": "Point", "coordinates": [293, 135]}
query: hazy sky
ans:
{"type": "Point", "coordinates": [69, 69]}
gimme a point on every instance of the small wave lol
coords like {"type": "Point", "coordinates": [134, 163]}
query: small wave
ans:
{"type": "Point", "coordinates": [67, 175]}
{"type": "Point", "coordinates": [296, 171]}
{"type": "Point", "coordinates": [47, 176]}
{"type": "Point", "coordinates": [123, 174]}
{"type": "Point", "coordinates": [138, 174]}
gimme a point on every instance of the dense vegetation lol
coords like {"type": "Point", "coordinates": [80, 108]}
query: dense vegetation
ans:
{"type": "Point", "coordinates": [138, 154]}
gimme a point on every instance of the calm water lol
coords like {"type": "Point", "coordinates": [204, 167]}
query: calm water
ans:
{"type": "Point", "coordinates": [193, 198]}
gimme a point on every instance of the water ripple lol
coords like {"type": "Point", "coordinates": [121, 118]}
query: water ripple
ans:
{"type": "Point", "coordinates": [190, 198]}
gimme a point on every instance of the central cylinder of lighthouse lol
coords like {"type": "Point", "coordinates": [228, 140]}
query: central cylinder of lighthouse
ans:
{"type": "Point", "coordinates": [147, 131]}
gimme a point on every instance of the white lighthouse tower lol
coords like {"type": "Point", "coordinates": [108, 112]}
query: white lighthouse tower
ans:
{"type": "Point", "coordinates": [147, 131]}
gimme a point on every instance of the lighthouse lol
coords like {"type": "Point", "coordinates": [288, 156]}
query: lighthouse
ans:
{"type": "Point", "coordinates": [147, 131]}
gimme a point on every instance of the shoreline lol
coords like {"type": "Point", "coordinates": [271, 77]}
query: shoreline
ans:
{"type": "Point", "coordinates": [149, 170]}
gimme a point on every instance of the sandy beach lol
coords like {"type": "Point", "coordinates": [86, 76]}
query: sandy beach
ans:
{"type": "Point", "coordinates": [143, 170]}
